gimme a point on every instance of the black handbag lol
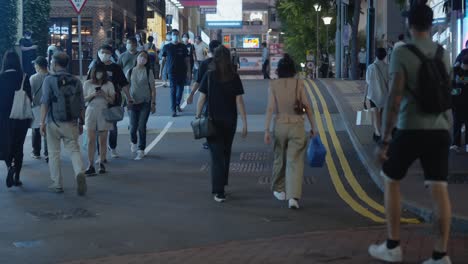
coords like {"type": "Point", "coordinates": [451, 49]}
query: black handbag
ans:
{"type": "Point", "coordinates": [203, 127]}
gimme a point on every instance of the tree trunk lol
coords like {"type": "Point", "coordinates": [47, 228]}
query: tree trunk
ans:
{"type": "Point", "coordinates": [355, 40]}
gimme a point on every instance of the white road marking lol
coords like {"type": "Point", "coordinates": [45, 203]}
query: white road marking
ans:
{"type": "Point", "coordinates": [159, 137]}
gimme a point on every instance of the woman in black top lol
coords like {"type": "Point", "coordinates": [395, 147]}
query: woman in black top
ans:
{"type": "Point", "coordinates": [12, 132]}
{"type": "Point", "coordinates": [222, 89]}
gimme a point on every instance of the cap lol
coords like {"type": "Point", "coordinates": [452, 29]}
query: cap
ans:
{"type": "Point", "coordinates": [40, 61]}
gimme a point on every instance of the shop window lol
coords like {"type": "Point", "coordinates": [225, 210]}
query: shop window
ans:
{"type": "Point", "coordinates": [86, 39]}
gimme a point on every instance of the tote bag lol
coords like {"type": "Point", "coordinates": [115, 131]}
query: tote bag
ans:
{"type": "Point", "coordinates": [364, 117]}
{"type": "Point", "coordinates": [21, 108]}
{"type": "Point", "coordinates": [316, 152]}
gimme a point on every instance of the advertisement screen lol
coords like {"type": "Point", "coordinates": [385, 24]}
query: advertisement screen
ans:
{"type": "Point", "coordinates": [228, 15]}
{"type": "Point", "coordinates": [251, 43]}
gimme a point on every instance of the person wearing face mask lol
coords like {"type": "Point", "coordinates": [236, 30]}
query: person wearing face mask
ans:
{"type": "Point", "coordinates": [127, 59]}
{"type": "Point", "coordinates": [201, 54]}
{"type": "Point", "coordinates": [143, 94]}
{"type": "Point", "coordinates": [40, 64]}
{"type": "Point", "coordinates": [362, 56]}
{"type": "Point", "coordinates": [98, 93]}
{"type": "Point", "coordinates": [28, 52]}
{"type": "Point", "coordinates": [163, 73]}
{"type": "Point", "coordinates": [176, 59]}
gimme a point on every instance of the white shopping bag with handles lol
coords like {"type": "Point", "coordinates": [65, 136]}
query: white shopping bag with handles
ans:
{"type": "Point", "coordinates": [364, 118]}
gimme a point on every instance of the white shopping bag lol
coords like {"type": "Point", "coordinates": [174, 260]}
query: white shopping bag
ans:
{"type": "Point", "coordinates": [21, 108]}
{"type": "Point", "coordinates": [364, 117]}
{"type": "Point", "coordinates": [187, 92]}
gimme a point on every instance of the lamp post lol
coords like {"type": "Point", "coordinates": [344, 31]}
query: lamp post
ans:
{"type": "Point", "coordinates": [327, 21]}
{"type": "Point", "coordinates": [318, 8]}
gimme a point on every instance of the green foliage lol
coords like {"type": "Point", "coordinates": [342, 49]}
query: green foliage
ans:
{"type": "Point", "coordinates": [36, 19]}
{"type": "Point", "coordinates": [8, 20]}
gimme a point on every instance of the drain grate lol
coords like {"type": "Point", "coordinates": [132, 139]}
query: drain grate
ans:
{"type": "Point", "coordinates": [243, 167]}
{"type": "Point", "coordinates": [76, 213]}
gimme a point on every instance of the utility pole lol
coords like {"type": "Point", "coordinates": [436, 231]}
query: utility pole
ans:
{"type": "Point", "coordinates": [370, 32]}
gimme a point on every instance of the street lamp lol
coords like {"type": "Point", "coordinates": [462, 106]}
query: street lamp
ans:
{"type": "Point", "coordinates": [327, 21]}
{"type": "Point", "coordinates": [318, 8]}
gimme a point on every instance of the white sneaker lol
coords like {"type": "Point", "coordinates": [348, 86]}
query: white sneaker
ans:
{"type": "Point", "coordinates": [455, 148]}
{"type": "Point", "coordinates": [133, 147]}
{"type": "Point", "coordinates": [381, 252]}
{"type": "Point", "coordinates": [444, 260]}
{"type": "Point", "coordinates": [140, 155]}
{"type": "Point", "coordinates": [114, 153]}
{"type": "Point", "coordinates": [293, 204]}
{"type": "Point", "coordinates": [280, 195]}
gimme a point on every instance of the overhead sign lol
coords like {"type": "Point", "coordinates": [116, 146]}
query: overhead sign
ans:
{"type": "Point", "coordinates": [194, 3]}
{"type": "Point", "coordinates": [207, 10]}
{"type": "Point", "coordinates": [228, 15]}
{"type": "Point", "coordinates": [78, 5]}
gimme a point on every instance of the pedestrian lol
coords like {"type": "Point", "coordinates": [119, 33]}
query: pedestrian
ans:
{"type": "Point", "coordinates": [40, 65]}
{"type": "Point", "coordinates": [201, 54]}
{"type": "Point", "coordinates": [222, 90]}
{"type": "Point", "coordinates": [324, 65]}
{"type": "Point", "coordinates": [400, 42]}
{"type": "Point", "coordinates": [142, 102]}
{"type": "Point", "coordinates": [191, 54]}
{"type": "Point", "coordinates": [265, 61]}
{"type": "Point", "coordinates": [290, 139]}
{"type": "Point", "coordinates": [460, 105]}
{"type": "Point", "coordinates": [153, 57]}
{"type": "Point", "coordinates": [117, 77]}
{"type": "Point", "coordinates": [62, 121]}
{"type": "Point", "coordinates": [235, 59]}
{"type": "Point", "coordinates": [176, 59]}
{"type": "Point", "coordinates": [423, 124]}
{"type": "Point", "coordinates": [463, 54]}
{"type": "Point", "coordinates": [377, 78]}
{"type": "Point", "coordinates": [98, 92]}
{"type": "Point", "coordinates": [140, 44]}
{"type": "Point", "coordinates": [28, 52]}
{"type": "Point", "coordinates": [128, 58]}
{"type": "Point", "coordinates": [12, 131]}
{"type": "Point", "coordinates": [164, 74]}
{"type": "Point", "coordinates": [362, 56]}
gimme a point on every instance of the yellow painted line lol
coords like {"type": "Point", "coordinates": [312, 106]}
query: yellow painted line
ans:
{"type": "Point", "coordinates": [348, 173]}
{"type": "Point", "coordinates": [339, 187]}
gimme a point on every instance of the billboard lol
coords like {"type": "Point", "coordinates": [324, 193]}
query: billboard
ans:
{"type": "Point", "coordinates": [228, 15]}
{"type": "Point", "coordinates": [196, 3]}
{"type": "Point", "coordinates": [251, 43]}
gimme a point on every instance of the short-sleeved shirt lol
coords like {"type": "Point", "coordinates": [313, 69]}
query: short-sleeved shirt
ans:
{"type": "Point", "coordinates": [406, 62]}
{"type": "Point", "coordinates": [176, 55]}
{"type": "Point", "coordinates": [127, 61]}
{"type": "Point", "coordinates": [36, 87]}
{"type": "Point", "coordinates": [200, 51]}
{"type": "Point", "coordinates": [141, 85]}
{"type": "Point", "coordinates": [221, 96]}
{"type": "Point", "coordinates": [203, 69]}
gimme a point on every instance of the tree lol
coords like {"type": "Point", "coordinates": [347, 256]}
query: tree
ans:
{"type": "Point", "coordinates": [36, 19]}
{"type": "Point", "coordinates": [8, 20]}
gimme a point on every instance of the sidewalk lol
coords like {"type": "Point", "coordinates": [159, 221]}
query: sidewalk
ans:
{"type": "Point", "coordinates": [342, 246]}
{"type": "Point", "coordinates": [348, 96]}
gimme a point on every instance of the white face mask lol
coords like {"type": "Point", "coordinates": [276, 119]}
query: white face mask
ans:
{"type": "Point", "coordinates": [184, 39]}
{"type": "Point", "coordinates": [99, 75]}
{"type": "Point", "coordinates": [104, 57]}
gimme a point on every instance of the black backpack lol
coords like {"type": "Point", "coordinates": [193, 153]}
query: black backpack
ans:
{"type": "Point", "coordinates": [433, 84]}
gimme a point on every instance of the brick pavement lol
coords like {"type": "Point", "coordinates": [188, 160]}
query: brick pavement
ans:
{"type": "Point", "coordinates": [342, 246]}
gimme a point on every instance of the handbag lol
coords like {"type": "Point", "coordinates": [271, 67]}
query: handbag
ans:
{"type": "Point", "coordinates": [364, 117]}
{"type": "Point", "coordinates": [203, 127]}
{"type": "Point", "coordinates": [316, 152]}
{"type": "Point", "coordinates": [21, 108]}
{"type": "Point", "coordinates": [113, 114]}
{"type": "Point", "coordinates": [299, 107]}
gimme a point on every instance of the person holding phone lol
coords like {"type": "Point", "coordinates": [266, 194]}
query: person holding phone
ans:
{"type": "Point", "coordinates": [99, 92]}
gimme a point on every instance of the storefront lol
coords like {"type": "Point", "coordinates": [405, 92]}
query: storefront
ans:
{"type": "Point", "coordinates": [172, 16]}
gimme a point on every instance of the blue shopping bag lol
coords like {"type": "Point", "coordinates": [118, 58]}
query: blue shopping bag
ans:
{"type": "Point", "coordinates": [316, 152]}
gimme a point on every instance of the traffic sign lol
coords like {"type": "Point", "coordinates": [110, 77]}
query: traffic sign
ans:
{"type": "Point", "coordinates": [78, 5]}
{"type": "Point", "coordinates": [207, 10]}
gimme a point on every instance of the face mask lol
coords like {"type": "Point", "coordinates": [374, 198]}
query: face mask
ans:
{"type": "Point", "coordinates": [141, 60]}
{"type": "Point", "coordinates": [130, 47]}
{"type": "Point", "coordinates": [175, 39]}
{"type": "Point", "coordinates": [104, 57]}
{"type": "Point", "coordinates": [28, 37]}
{"type": "Point", "coordinates": [184, 39]}
{"type": "Point", "coordinates": [168, 38]}
{"type": "Point", "coordinates": [99, 75]}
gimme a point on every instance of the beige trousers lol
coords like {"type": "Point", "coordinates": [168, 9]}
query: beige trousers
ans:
{"type": "Point", "coordinates": [288, 167]}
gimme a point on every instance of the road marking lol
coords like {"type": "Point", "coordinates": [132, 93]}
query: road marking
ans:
{"type": "Point", "coordinates": [339, 187]}
{"type": "Point", "coordinates": [348, 173]}
{"type": "Point", "coordinates": [159, 137]}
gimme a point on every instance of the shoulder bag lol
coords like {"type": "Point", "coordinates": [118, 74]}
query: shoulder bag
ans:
{"type": "Point", "coordinates": [203, 127]}
{"type": "Point", "coordinates": [21, 109]}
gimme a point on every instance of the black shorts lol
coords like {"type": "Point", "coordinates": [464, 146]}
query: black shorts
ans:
{"type": "Point", "coordinates": [431, 147]}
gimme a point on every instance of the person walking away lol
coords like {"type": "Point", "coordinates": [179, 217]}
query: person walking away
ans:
{"type": "Point", "coordinates": [419, 120]}
{"type": "Point", "coordinates": [201, 54]}
{"type": "Point", "coordinates": [265, 61]}
{"type": "Point", "coordinates": [176, 59]}
{"type": "Point", "coordinates": [127, 59]}
{"type": "Point", "coordinates": [28, 52]}
{"type": "Point", "coordinates": [191, 54]}
{"type": "Point", "coordinates": [324, 65]}
{"type": "Point", "coordinates": [40, 65]}
{"type": "Point", "coordinates": [222, 90]}
{"type": "Point", "coordinates": [117, 77]}
{"type": "Point", "coordinates": [400, 42]}
{"type": "Point", "coordinates": [362, 56]}
{"type": "Point", "coordinates": [98, 92]}
{"type": "Point", "coordinates": [142, 102]}
{"type": "Point", "coordinates": [460, 106]}
{"type": "Point", "coordinates": [153, 57]}
{"type": "Point", "coordinates": [290, 139]}
{"type": "Point", "coordinates": [12, 131]}
{"type": "Point", "coordinates": [164, 74]}
{"type": "Point", "coordinates": [62, 121]}
{"type": "Point", "coordinates": [377, 78]}
{"type": "Point", "coordinates": [235, 59]}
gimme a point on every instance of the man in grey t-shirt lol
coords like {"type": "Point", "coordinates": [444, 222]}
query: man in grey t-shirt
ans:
{"type": "Point", "coordinates": [421, 135]}
{"type": "Point", "coordinates": [127, 59]}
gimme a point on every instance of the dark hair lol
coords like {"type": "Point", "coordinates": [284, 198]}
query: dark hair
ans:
{"type": "Point", "coordinates": [148, 64]}
{"type": "Point", "coordinates": [264, 44]}
{"type": "Point", "coordinates": [466, 44]}
{"type": "Point", "coordinates": [222, 62]}
{"type": "Point", "coordinates": [381, 53]}
{"type": "Point", "coordinates": [465, 60]}
{"type": "Point", "coordinates": [11, 61]}
{"type": "Point", "coordinates": [61, 59]}
{"type": "Point", "coordinates": [99, 67]}
{"type": "Point", "coordinates": [133, 40]}
{"type": "Point", "coordinates": [420, 17]}
{"type": "Point", "coordinates": [150, 39]}
{"type": "Point", "coordinates": [213, 45]}
{"type": "Point", "coordinates": [401, 37]}
{"type": "Point", "coordinates": [286, 67]}
{"type": "Point", "coordinates": [175, 31]}
{"type": "Point", "coordinates": [186, 35]}
{"type": "Point", "coordinates": [41, 62]}
{"type": "Point", "coordinates": [106, 47]}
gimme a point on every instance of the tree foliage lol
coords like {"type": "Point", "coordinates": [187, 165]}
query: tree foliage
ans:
{"type": "Point", "coordinates": [36, 19]}
{"type": "Point", "coordinates": [8, 20]}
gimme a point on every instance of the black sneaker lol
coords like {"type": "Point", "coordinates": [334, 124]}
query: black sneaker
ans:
{"type": "Point", "coordinates": [220, 197]}
{"type": "Point", "coordinates": [174, 114]}
{"type": "Point", "coordinates": [102, 168]}
{"type": "Point", "coordinates": [91, 171]}
{"type": "Point", "coordinates": [376, 138]}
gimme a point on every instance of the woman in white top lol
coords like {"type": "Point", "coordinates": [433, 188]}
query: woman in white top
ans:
{"type": "Point", "coordinates": [99, 93]}
{"type": "Point", "coordinates": [290, 139]}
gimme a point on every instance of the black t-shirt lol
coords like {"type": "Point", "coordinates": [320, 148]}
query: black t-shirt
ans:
{"type": "Point", "coordinates": [176, 55]}
{"type": "Point", "coordinates": [29, 54]}
{"type": "Point", "coordinates": [222, 96]}
{"type": "Point", "coordinates": [190, 50]}
{"type": "Point", "coordinates": [203, 69]}
{"type": "Point", "coordinates": [460, 92]}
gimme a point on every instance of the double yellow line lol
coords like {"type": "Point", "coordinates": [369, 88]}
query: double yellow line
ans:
{"type": "Point", "coordinates": [348, 173]}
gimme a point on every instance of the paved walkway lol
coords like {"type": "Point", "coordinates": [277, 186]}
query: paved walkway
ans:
{"type": "Point", "coordinates": [349, 97]}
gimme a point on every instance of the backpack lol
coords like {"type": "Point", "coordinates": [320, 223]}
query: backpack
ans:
{"type": "Point", "coordinates": [66, 98]}
{"type": "Point", "coordinates": [152, 53]}
{"type": "Point", "coordinates": [433, 90]}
